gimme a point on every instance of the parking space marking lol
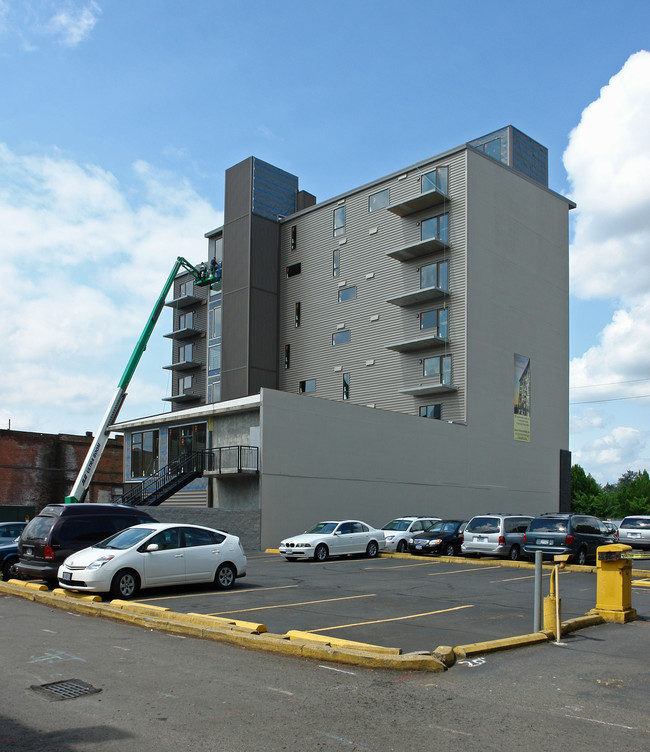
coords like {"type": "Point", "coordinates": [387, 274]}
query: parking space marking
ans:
{"type": "Point", "coordinates": [289, 605]}
{"type": "Point", "coordinates": [524, 577]}
{"type": "Point", "coordinates": [406, 566]}
{"type": "Point", "coordinates": [395, 618]}
{"type": "Point", "coordinates": [234, 591]}
{"type": "Point", "coordinates": [462, 571]}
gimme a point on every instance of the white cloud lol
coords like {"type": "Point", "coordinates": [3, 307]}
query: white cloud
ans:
{"type": "Point", "coordinates": [82, 266]}
{"type": "Point", "coordinates": [608, 457]}
{"type": "Point", "coordinates": [72, 23]}
{"type": "Point", "coordinates": [585, 420]}
{"type": "Point", "coordinates": [608, 161]}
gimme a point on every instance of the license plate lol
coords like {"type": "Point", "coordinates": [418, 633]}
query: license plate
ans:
{"type": "Point", "coordinates": [66, 576]}
{"type": "Point", "coordinates": [544, 542]}
{"type": "Point", "coordinates": [28, 551]}
{"type": "Point", "coordinates": [419, 546]}
{"type": "Point", "coordinates": [480, 538]}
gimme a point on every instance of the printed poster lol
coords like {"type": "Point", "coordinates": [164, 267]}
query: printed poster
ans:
{"type": "Point", "coordinates": [522, 398]}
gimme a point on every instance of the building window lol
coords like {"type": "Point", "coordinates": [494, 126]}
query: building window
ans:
{"type": "Point", "coordinates": [308, 386]}
{"type": "Point", "coordinates": [436, 180]}
{"type": "Point", "coordinates": [287, 356]}
{"type": "Point", "coordinates": [144, 454]}
{"type": "Point", "coordinates": [297, 315]}
{"type": "Point", "coordinates": [431, 411]}
{"type": "Point", "coordinates": [438, 367]}
{"type": "Point", "coordinates": [340, 338]}
{"type": "Point", "coordinates": [186, 288]}
{"type": "Point", "coordinates": [185, 354]}
{"type": "Point", "coordinates": [347, 293]}
{"type": "Point", "coordinates": [185, 320]}
{"type": "Point", "coordinates": [491, 148]}
{"type": "Point", "coordinates": [378, 200]}
{"type": "Point", "coordinates": [339, 221]}
{"type": "Point", "coordinates": [293, 270]}
{"type": "Point", "coordinates": [435, 275]}
{"type": "Point", "coordinates": [436, 228]}
{"type": "Point", "coordinates": [293, 237]}
{"type": "Point", "coordinates": [336, 262]}
{"type": "Point", "coordinates": [184, 440]}
{"type": "Point", "coordinates": [214, 323]}
{"type": "Point", "coordinates": [437, 319]}
{"type": "Point", "coordinates": [214, 391]}
{"type": "Point", "coordinates": [184, 383]}
{"type": "Point", "coordinates": [346, 386]}
{"type": "Point", "coordinates": [214, 358]}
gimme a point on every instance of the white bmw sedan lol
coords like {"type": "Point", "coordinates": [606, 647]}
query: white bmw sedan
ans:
{"type": "Point", "coordinates": [154, 555]}
{"type": "Point", "coordinates": [334, 538]}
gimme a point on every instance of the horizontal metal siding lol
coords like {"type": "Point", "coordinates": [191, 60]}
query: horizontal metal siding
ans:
{"type": "Point", "coordinates": [363, 263]}
{"type": "Point", "coordinates": [197, 497]}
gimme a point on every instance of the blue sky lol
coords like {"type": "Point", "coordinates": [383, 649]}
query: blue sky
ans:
{"type": "Point", "coordinates": [118, 120]}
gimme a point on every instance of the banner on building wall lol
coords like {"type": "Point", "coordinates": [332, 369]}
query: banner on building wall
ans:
{"type": "Point", "coordinates": [522, 398]}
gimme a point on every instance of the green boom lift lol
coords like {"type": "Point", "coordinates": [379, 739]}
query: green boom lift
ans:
{"type": "Point", "coordinates": [202, 277]}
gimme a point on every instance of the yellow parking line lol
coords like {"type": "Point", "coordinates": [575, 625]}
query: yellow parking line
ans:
{"type": "Point", "coordinates": [289, 605]}
{"type": "Point", "coordinates": [395, 618]}
{"type": "Point", "coordinates": [404, 566]}
{"type": "Point", "coordinates": [525, 577]}
{"type": "Point", "coordinates": [461, 571]}
{"type": "Point", "coordinates": [236, 591]}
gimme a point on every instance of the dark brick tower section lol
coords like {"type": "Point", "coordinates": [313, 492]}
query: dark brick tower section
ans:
{"type": "Point", "coordinates": [37, 469]}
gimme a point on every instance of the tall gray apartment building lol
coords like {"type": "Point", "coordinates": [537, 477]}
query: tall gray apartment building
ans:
{"type": "Point", "coordinates": [399, 349]}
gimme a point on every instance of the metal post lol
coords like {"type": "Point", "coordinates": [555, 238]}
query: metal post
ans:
{"type": "Point", "coordinates": [537, 605]}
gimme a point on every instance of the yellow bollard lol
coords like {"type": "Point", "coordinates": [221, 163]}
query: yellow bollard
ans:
{"type": "Point", "coordinates": [614, 584]}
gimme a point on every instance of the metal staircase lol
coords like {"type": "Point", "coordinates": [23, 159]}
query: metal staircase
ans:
{"type": "Point", "coordinates": [166, 482]}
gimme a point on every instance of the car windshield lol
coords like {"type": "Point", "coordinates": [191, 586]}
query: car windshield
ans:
{"type": "Point", "coordinates": [397, 525]}
{"type": "Point", "coordinates": [127, 538]}
{"type": "Point", "coordinates": [323, 527]}
{"type": "Point", "coordinates": [443, 527]}
{"type": "Point", "coordinates": [547, 525]}
{"type": "Point", "coordinates": [639, 523]}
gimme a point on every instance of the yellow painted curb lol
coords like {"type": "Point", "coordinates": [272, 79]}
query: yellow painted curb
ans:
{"type": "Point", "coordinates": [145, 607]}
{"type": "Point", "coordinates": [334, 642]}
{"type": "Point", "coordinates": [77, 596]}
{"type": "Point", "coordinates": [250, 625]}
{"type": "Point", "coordinates": [492, 646]}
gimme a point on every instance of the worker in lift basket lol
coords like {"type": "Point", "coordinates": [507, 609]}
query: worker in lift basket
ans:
{"type": "Point", "coordinates": [202, 269]}
{"type": "Point", "coordinates": [213, 266]}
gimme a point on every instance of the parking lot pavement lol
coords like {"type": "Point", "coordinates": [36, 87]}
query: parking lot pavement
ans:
{"type": "Point", "coordinates": [411, 603]}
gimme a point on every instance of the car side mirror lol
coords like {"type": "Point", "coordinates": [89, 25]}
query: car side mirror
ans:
{"type": "Point", "coordinates": [152, 547]}
{"type": "Point", "coordinates": [337, 532]}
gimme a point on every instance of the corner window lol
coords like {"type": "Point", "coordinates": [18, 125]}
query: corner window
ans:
{"type": "Point", "coordinates": [340, 338]}
{"type": "Point", "coordinates": [144, 454]}
{"type": "Point", "coordinates": [185, 289]}
{"type": "Point", "coordinates": [435, 275]}
{"type": "Point", "coordinates": [307, 386]}
{"type": "Point", "coordinates": [184, 383]}
{"type": "Point", "coordinates": [431, 411]}
{"type": "Point", "coordinates": [293, 237]}
{"type": "Point", "coordinates": [436, 180]}
{"type": "Point", "coordinates": [491, 148]}
{"type": "Point", "coordinates": [378, 200]}
{"type": "Point", "coordinates": [297, 315]}
{"type": "Point", "coordinates": [214, 358]}
{"type": "Point", "coordinates": [287, 356]}
{"type": "Point", "coordinates": [436, 228]}
{"type": "Point", "coordinates": [214, 391]}
{"type": "Point", "coordinates": [336, 262]}
{"type": "Point", "coordinates": [214, 322]}
{"type": "Point", "coordinates": [347, 293]}
{"type": "Point", "coordinates": [346, 386]}
{"type": "Point", "coordinates": [293, 270]}
{"type": "Point", "coordinates": [436, 319]}
{"type": "Point", "coordinates": [185, 320]}
{"type": "Point", "coordinates": [339, 221]}
{"type": "Point", "coordinates": [438, 367]}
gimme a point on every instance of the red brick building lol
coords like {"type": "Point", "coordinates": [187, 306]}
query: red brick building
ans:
{"type": "Point", "coordinates": [37, 469]}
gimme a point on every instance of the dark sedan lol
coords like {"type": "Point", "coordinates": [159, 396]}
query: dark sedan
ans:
{"type": "Point", "coordinates": [8, 557]}
{"type": "Point", "coordinates": [445, 537]}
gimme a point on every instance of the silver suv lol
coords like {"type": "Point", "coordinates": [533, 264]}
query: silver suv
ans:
{"type": "Point", "coordinates": [496, 535]}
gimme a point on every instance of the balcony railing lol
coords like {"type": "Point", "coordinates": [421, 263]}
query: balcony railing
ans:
{"type": "Point", "coordinates": [232, 460]}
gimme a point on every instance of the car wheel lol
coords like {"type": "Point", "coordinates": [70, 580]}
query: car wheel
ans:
{"type": "Point", "coordinates": [126, 584]}
{"type": "Point", "coordinates": [321, 553]}
{"type": "Point", "coordinates": [225, 576]}
{"type": "Point", "coordinates": [372, 549]}
{"type": "Point", "coordinates": [401, 547]}
{"type": "Point", "coordinates": [6, 568]}
{"type": "Point", "coordinates": [515, 553]}
{"type": "Point", "coordinates": [450, 550]}
{"type": "Point", "coordinates": [581, 557]}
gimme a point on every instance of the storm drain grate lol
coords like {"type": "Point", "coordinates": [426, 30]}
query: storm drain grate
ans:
{"type": "Point", "coordinates": [65, 690]}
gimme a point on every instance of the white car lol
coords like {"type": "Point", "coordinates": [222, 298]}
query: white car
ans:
{"type": "Point", "coordinates": [154, 555]}
{"type": "Point", "coordinates": [334, 538]}
{"type": "Point", "coordinates": [398, 531]}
